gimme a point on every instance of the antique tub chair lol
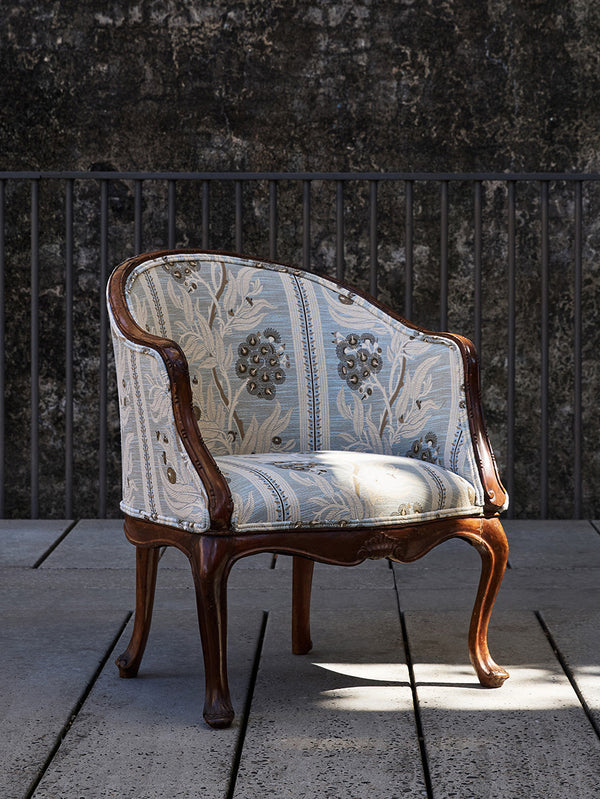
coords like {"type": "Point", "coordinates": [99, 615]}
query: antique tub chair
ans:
{"type": "Point", "coordinates": [266, 409]}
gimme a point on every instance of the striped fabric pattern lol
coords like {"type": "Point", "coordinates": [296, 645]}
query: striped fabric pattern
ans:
{"type": "Point", "coordinates": [160, 483]}
{"type": "Point", "coordinates": [284, 364]}
{"type": "Point", "coordinates": [340, 489]}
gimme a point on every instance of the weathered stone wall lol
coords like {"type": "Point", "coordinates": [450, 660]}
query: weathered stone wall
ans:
{"type": "Point", "coordinates": [374, 85]}
{"type": "Point", "coordinates": [356, 84]}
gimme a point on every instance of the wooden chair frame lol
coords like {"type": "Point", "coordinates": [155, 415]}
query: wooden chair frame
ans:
{"type": "Point", "coordinates": [212, 554]}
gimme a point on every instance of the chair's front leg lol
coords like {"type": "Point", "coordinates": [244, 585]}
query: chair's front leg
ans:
{"type": "Point", "coordinates": [146, 567]}
{"type": "Point", "coordinates": [493, 548]}
{"type": "Point", "coordinates": [210, 567]}
{"type": "Point", "coordinates": [301, 589]}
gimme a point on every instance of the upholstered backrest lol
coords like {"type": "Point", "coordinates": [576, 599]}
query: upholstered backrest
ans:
{"type": "Point", "coordinates": [282, 360]}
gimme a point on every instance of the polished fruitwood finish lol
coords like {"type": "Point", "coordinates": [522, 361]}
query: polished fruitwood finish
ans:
{"type": "Point", "coordinates": [301, 587]}
{"type": "Point", "coordinates": [212, 554]}
{"type": "Point", "coordinates": [146, 568]}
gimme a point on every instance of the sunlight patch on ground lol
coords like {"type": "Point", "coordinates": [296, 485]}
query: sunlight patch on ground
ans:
{"type": "Point", "coordinates": [531, 687]}
{"type": "Point", "coordinates": [372, 698]}
{"type": "Point", "coordinates": [448, 687]}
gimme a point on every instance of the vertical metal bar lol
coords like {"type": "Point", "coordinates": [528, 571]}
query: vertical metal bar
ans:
{"type": "Point", "coordinates": [205, 213]}
{"type": "Point", "coordinates": [306, 225]}
{"type": "Point", "coordinates": [138, 216]}
{"type": "Point", "coordinates": [577, 355]}
{"type": "Point", "coordinates": [408, 250]}
{"type": "Point", "coordinates": [511, 354]}
{"type": "Point", "coordinates": [34, 345]}
{"type": "Point", "coordinates": [2, 354]}
{"type": "Point", "coordinates": [544, 376]}
{"type": "Point", "coordinates": [238, 215]}
{"type": "Point", "coordinates": [172, 224]}
{"type": "Point", "coordinates": [477, 250]}
{"type": "Point", "coordinates": [340, 266]}
{"type": "Point", "coordinates": [273, 219]}
{"type": "Point", "coordinates": [444, 255]}
{"type": "Point", "coordinates": [103, 404]}
{"type": "Point", "coordinates": [69, 351]}
{"type": "Point", "coordinates": [373, 237]}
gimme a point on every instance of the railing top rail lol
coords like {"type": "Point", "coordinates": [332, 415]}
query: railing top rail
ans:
{"type": "Point", "coordinates": [342, 176]}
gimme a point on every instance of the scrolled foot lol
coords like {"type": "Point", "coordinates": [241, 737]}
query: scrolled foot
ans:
{"type": "Point", "coordinates": [219, 715]}
{"type": "Point", "coordinates": [301, 646]}
{"type": "Point", "coordinates": [128, 667]}
{"type": "Point", "coordinates": [491, 675]}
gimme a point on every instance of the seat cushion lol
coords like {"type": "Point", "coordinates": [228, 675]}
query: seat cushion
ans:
{"type": "Point", "coordinates": [274, 491]}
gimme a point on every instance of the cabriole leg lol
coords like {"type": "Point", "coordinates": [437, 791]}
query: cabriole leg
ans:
{"type": "Point", "coordinates": [493, 548]}
{"type": "Point", "coordinates": [146, 567]}
{"type": "Point", "coordinates": [301, 589]}
{"type": "Point", "coordinates": [210, 568]}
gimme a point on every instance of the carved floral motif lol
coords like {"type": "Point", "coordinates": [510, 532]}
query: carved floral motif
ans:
{"type": "Point", "coordinates": [383, 546]}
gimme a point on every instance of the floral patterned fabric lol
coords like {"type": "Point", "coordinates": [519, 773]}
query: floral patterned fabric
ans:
{"type": "Point", "coordinates": [160, 482]}
{"type": "Point", "coordinates": [282, 362]}
{"type": "Point", "coordinates": [340, 489]}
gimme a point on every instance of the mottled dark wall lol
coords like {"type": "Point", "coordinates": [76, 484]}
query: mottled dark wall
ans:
{"type": "Point", "coordinates": [452, 86]}
{"type": "Point", "coordinates": [445, 85]}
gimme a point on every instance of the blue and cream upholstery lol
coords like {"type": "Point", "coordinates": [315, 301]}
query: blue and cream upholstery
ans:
{"type": "Point", "coordinates": [319, 409]}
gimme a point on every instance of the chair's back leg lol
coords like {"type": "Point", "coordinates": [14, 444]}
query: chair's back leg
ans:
{"type": "Point", "coordinates": [146, 566]}
{"type": "Point", "coordinates": [210, 567]}
{"type": "Point", "coordinates": [493, 548]}
{"type": "Point", "coordinates": [301, 589]}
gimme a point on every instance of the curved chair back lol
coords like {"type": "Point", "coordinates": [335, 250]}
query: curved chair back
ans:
{"type": "Point", "coordinates": [287, 361]}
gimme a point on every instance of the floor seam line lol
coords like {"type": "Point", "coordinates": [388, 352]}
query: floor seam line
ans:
{"type": "Point", "coordinates": [54, 545]}
{"type": "Point", "coordinates": [568, 672]}
{"type": "Point", "coordinates": [415, 697]}
{"type": "Point", "coordinates": [247, 707]}
{"type": "Point", "coordinates": [75, 712]}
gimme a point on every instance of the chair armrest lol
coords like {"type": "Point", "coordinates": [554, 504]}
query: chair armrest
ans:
{"type": "Point", "coordinates": [495, 496]}
{"type": "Point", "coordinates": [163, 373]}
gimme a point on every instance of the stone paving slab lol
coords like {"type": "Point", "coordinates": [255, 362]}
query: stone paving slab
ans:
{"type": "Point", "coordinates": [577, 638]}
{"type": "Point", "coordinates": [562, 544]}
{"type": "Point", "coordinates": [453, 557]}
{"type": "Point", "coordinates": [337, 722]}
{"type": "Point", "coordinates": [93, 544]}
{"type": "Point", "coordinates": [529, 738]}
{"type": "Point", "coordinates": [145, 737]}
{"type": "Point", "coordinates": [53, 638]}
{"type": "Point", "coordinates": [532, 589]}
{"type": "Point", "coordinates": [23, 542]}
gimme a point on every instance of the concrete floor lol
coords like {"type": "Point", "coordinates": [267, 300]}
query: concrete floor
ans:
{"type": "Point", "coordinates": [385, 706]}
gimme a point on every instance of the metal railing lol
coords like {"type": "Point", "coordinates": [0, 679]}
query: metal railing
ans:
{"type": "Point", "coordinates": [456, 251]}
